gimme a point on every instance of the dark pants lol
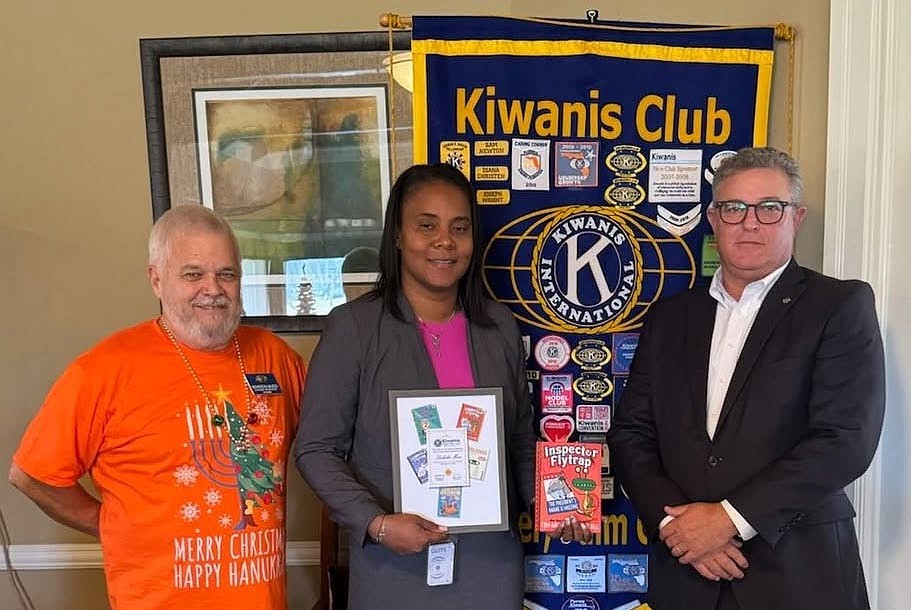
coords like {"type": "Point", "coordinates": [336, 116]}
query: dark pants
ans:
{"type": "Point", "coordinates": [726, 600]}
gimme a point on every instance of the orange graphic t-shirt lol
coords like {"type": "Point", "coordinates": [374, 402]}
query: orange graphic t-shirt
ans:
{"type": "Point", "coordinates": [193, 492]}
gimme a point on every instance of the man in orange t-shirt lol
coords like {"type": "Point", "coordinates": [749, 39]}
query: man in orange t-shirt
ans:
{"type": "Point", "coordinates": [183, 424]}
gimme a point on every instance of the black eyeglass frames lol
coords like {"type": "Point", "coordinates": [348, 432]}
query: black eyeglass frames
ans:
{"type": "Point", "coordinates": [767, 212]}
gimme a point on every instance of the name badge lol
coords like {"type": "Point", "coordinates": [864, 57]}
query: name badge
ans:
{"type": "Point", "coordinates": [263, 384]}
{"type": "Point", "coordinates": [440, 563]}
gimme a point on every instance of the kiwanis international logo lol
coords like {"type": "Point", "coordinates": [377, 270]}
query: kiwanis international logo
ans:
{"type": "Point", "coordinates": [586, 268]}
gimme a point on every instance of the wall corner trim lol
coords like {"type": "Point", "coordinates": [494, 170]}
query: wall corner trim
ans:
{"type": "Point", "coordinates": [860, 174]}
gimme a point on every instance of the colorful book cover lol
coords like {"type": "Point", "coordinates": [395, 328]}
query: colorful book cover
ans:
{"type": "Point", "coordinates": [567, 484]}
{"type": "Point", "coordinates": [449, 502]}
{"type": "Point", "coordinates": [418, 461]}
{"type": "Point", "coordinates": [471, 417]}
{"type": "Point", "coordinates": [477, 461]}
{"type": "Point", "coordinates": [425, 417]}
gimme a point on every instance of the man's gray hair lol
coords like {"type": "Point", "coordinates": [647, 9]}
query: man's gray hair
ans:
{"type": "Point", "coordinates": [761, 158]}
{"type": "Point", "coordinates": [186, 220]}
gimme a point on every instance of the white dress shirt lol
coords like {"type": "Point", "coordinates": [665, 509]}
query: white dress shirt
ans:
{"type": "Point", "coordinates": [733, 321]}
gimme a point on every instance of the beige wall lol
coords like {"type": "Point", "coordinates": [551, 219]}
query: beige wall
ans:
{"type": "Point", "coordinates": [75, 208]}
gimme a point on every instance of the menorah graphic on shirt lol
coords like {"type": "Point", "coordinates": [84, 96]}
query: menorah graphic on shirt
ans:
{"type": "Point", "coordinates": [241, 462]}
{"type": "Point", "coordinates": [207, 443]}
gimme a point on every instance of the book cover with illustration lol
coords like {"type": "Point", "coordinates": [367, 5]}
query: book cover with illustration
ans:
{"type": "Point", "coordinates": [567, 484]}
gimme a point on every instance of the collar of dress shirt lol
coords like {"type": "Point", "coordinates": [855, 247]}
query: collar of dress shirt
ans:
{"type": "Point", "coordinates": [753, 292]}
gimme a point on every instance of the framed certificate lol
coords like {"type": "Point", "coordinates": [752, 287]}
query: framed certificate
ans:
{"type": "Point", "coordinates": [448, 458]}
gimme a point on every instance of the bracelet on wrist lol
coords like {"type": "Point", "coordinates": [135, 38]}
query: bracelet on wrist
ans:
{"type": "Point", "coordinates": [381, 531]}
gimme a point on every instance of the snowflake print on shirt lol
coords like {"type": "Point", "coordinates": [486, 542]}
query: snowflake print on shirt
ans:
{"type": "Point", "coordinates": [189, 512]}
{"type": "Point", "coordinates": [212, 497]}
{"type": "Point", "coordinates": [262, 410]}
{"type": "Point", "coordinates": [276, 438]}
{"type": "Point", "coordinates": [186, 475]}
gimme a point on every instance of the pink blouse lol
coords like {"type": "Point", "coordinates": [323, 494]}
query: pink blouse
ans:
{"type": "Point", "coordinates": [447, 346]}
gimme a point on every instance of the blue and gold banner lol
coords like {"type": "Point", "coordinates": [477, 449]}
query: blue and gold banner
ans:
{"type": "Point", "coordinates": [592, 149]}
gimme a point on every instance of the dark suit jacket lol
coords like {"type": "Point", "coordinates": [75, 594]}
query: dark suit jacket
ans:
{"type": "Point", "coordinates": [800, 421]}
{"type": "Point", "coordinates": [343, 442]}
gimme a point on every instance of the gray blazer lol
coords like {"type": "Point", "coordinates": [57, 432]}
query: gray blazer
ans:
{"type": "Point", "coordinates": [343, 446]}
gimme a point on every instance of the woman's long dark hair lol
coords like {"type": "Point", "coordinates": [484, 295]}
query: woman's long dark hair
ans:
{"type": "Point", "coordinates": [389, 285]}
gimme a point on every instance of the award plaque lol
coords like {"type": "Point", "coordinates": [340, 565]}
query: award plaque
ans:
{"type": "Point", "coordinates": [448, 458]}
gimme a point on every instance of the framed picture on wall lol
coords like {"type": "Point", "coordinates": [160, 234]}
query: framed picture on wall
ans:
{"type": "Point", "coordinates": [294, 139]}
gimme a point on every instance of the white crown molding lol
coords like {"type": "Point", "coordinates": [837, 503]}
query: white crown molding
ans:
{"type": "Point", "coordinates": [88, 556]}
{"type": "Point", "coordinates": [859, 191]}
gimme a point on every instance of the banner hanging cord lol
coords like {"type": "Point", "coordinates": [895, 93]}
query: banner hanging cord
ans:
{"type": "Point", "coordinates": [788, 34]}
{"type": "Point", "coordinates": [783, 31]}
{"type": "Point", "coordinates": [393, 22]}
{"type": "Point", "coordinates": [392, 122]}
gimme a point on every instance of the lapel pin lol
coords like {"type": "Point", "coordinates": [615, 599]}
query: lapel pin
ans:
{"type": "Point", "coordinates": [786, 300]}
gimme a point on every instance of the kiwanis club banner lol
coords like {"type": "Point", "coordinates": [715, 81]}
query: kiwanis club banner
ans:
{"type": "Point", "coordinates": [592, 149]}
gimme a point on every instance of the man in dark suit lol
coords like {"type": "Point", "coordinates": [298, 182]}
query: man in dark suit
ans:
{"type": "Point", "coordinates": [750, 406]}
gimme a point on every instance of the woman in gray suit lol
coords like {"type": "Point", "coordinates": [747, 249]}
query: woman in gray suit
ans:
{"type": "Point", "coordinates": [427, 325]}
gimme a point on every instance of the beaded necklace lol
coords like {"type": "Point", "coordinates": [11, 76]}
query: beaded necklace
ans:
{"type": "Point", "coordinates": [218, 419]}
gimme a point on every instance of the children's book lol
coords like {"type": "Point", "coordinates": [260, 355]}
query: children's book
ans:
{"type": "Point", "coordinates": [567, 484]}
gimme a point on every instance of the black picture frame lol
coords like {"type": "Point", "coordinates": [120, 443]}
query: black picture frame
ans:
{"type": "Point", "coordinates": [269, 50]}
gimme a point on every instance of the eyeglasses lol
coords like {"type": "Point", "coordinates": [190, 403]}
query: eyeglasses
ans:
{"type": "Point", "coordinates": [734, 212]}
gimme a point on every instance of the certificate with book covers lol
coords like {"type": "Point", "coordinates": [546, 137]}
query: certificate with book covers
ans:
{"type": "Point", "coordinates": [448, 458]}
{"type": "Point", "coordinates": [567, 484]}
